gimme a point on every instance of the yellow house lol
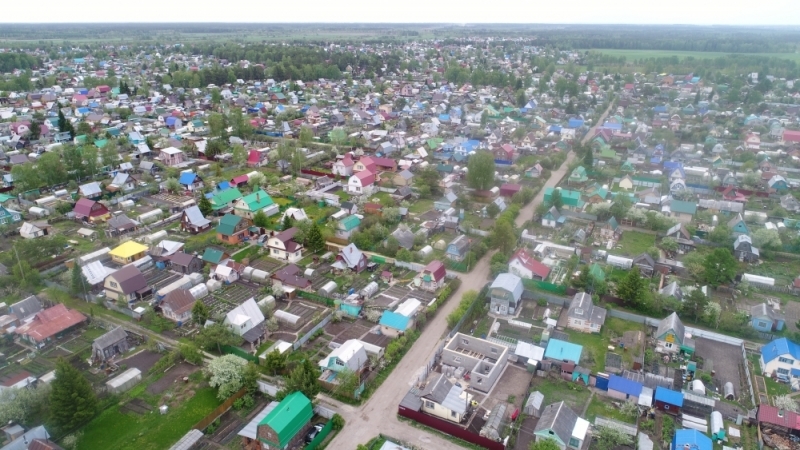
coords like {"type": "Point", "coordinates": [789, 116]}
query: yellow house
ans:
{"type": "Point", "coordinates": [626, 182]}
{"type": "Point", "coordinates": [128, 252]}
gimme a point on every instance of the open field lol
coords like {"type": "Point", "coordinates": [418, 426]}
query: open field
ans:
{"type": "Point", "coordinates": [644, 54]}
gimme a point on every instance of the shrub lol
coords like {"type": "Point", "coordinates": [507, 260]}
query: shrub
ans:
{"type": "Point", "coordinates": [338, 422]}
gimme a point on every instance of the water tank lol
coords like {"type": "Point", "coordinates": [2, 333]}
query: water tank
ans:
{"type": "Point", "coordinates": [369, 290]}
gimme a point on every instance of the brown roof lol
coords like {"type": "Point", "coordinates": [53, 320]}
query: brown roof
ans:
{"type": "Point", "coordinates": [50, 322]}
{"type": "Point", "coordinates": [179, 301]}
{"type": "Point", "coordinates": [182, 259]}
{"type": "Point", "coordinates": [14, 379]}
{"type": "Point", "coordinates": [130, 279]}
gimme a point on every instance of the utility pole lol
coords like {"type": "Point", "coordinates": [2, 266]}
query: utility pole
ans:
{"type": "Point", "coordinates": [22, 272]}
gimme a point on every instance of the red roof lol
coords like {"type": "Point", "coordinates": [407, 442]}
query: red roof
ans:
{"type": "Point", "coordinates": [791, 136]}
{"type": "Point", "coordinates": [240, 179]}
{"type": "Point", "coordinates": [370, 161]}
{"type": "Point", "coordinates": [366, 177]}
{"type": "Point", "coordinates": [86, 208]}
{"type": "Point", "coordinates": [50, 322]}
{"type": "Point", "coordinates": [347, 160]}
{"type": "Point", "coordinates": [254, 156]}
{"type": "Point", "coordinates": [509, 189]}
{"type": "Point", "coordinates": [527, 261]}
{"type": "Point", "coordinates": [770, 414]}
{"type": "Point", "coordinates": [436, 269]}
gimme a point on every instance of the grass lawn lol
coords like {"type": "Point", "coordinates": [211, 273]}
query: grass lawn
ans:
{"type": "Point", "coordinates": [199, 242]}
{"type": "Point", "coordinates": [248, 252]}
{"type": "Point", "coordinates": [634, 243]}
{"type": "Point", "coordinates": [556, 390]}
{"type": "Point", "coordinates": [152, 431]}
{"type": "Point", "coordinates": [643, 54]}
{"type": "Point", "coordinates": [595, 346]}
{"type": "Point", "coordinates": [602, 406]}
{"type": "Point", "coordinates": [384, 198]}
{"type": "Point", "coordinates": [421, 206]}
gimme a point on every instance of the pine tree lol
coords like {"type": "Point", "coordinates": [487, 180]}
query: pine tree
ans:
{"type": "Point", "coordinates": [72, 400]}
{"type": "Point", "coordinates": [78, 284]}
{"type": "Point", "coordinates": [588, 158]}
{"type": "Point", "coordinates": [631, 288]}
{"type": "Point", "coordinates": [314, 240]}
{"type": "Point", "coordinates": [287, 222]}
{"type": "Point", "coordinates": [205, 206]}
{"type": "Point", "coordinates": [200, 313]}
{"type": "Point", "coordinates": [62, 122]}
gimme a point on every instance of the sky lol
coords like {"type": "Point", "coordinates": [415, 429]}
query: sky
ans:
{"type": "Point", "coordinates": [700, 12]}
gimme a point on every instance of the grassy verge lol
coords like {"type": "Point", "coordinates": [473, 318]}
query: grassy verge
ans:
{"type": "Point", "coordinates": [556, 390]}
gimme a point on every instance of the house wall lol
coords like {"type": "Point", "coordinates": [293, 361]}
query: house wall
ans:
{"type": "Point", "coordinates": [682, 218]}
{"type": "Point", "coordinates": [777, 366]}
{"type": "Point", "coordinates": [584, 326]}
{"type": "Point", "coordinates": [170, 314]}
{"type": "Point", "coordinates": [113, 291]}
{"type": "Point", "coordinates": [670, 347]}
{"type": "Point", "coordinates": [519, 270]}
{"type": "Point", "coordinates": [622, 396]}
{"type": "Point", "coordinates": [440, 411]}
{"type": "Point", "coordinates": [761, 324]}
{"type": "Point", "coordinates": [233, 239]}
{"type": "Point", "coordinates": [549, 223]}
{"type": "Point", "coordinates": [450, 428]}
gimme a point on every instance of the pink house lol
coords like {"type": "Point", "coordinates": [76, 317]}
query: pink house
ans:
{"type": "Point", "coordinates": [791, 136]}
{"type": "Point", "coordinates": [171, 156]}
{"type": "Point", "coordinates": [361, 183]}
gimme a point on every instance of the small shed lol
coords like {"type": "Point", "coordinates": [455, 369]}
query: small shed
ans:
{"type": "Point", "coordinates": [533, 406]}
{"type": "Point", "coordinates": [124, 381]}
{"type": "Point", "coordinates": [727, 390]}
{"type": "Point", "coordinates": [698, 387]}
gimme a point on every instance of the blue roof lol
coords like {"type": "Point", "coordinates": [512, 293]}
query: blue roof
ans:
{"type": "Point", "coordinates": [561, 350]}
{"type": "Point", "coordinates": [694, 438]}
{"type": "Point", "coordinates": [779, 347]}
{"type": "Point", "coordinates": [671, 165]}
{"type": "Point", "coordinates": [612, 125]}
{"type": "Point", "coordinates": [170, 121]}
{"type": "Point", "coordinates": [624, 385]}
{"type": "Point", "coordinates": [394, 320]}
{"type": "Point", "coordinates": [187, 178]}
{"type": "Point", "coordinates": [222, 185]}
{"type": "Point", "coordinates": [668, 396]}
{"type": "Point", "coordinates": [575, 123]}
{"type": "Point", "coordinates": [555, 128]}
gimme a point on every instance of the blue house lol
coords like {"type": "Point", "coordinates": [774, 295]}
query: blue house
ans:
{"type": "Point", "coordinates": [764, 318]}
{"type": "Point", "coordinates": [778, 183]}
{"type": "Point", "coordinates": [668, 400]}
{"type": "Point", "coordinates": [575, 122]}
{"type": "Point", "coordinates": [691, 439]}
{"type": "Point", "coordinates": [457, 248]}
{"type": "Point", "coordinates": [446, 202]}
{"type": "Point", "coordinates": [623, 388]}
{"type": "Point", "coordinates": [559, 350]}
{"type": "Point", "coordinates": [738, 226]}
{"type": "Point", "coordinates": [781, 358]}
{"type": "Point", "coordinates": [136, 138]}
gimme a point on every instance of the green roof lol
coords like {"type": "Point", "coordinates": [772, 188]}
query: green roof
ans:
{"type": "Point", "coordinates": [80, 139]}
{"type": "Point", "coordinates": [213, 255]}
{"type": "Point", "coordinates": [350, 222]}
{"type": "Point", "coordinates": [222, 199]}
{"type": "Point", "coordinates": [682, 207]}
{"type": "Point", "coordinates": [597, 272]}
{"type": "Point", "coordinates": [288, 418]}
{"type": "Point", "coordinates": [257, 200]}
{"type": "Point", "coordinates": [227, 225]}
{"type": "Point", "coordinates": [569, 198]}
{"type": "Point", "coordinates": [5, 197]}
{"type": "Point", "coordinates": [100, 143]}
{"type": "Point", "coordinates": [112, 131]}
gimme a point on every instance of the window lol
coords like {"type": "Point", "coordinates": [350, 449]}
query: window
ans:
{"type": "Point", "coordinates": [429, 404]}
{"type": "Point", "coordinates": [761, 324]}
{"type": "Point", "coordinates": [783, 371]}
{"type": "Point", "coordinates": [465, 341]}
{"type": "Point", "coordinates": [113, 284]}
{"type": "Point", "coordinates": [668, 345]}
{"type": "Point", "coordinates": [786, 360]}
{"type": "Point", "coordinates": [666, 406]}
{"type": "Point", "coordinates": [457, 359]}
{"type": "Point", "coordinates": [452, 413]}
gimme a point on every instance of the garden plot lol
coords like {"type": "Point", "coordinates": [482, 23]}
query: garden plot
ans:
{"type": "Point", "coordinates": [266, 264]}
{"type": "Point", "coordinates": [160, 278]}
{"type": "Point", "coordinates": [235, 294]}
{"type": "Point", "coordinates": [395, 295]}
{"type": "Point", "coordinates": [345, 330]}
{"type": "Point", "coordinates": [171, 199]}
{"type": "Point", "coordinates": [309, 314]}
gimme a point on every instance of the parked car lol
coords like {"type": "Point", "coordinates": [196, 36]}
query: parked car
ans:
{"type": "Point", "coordinates": [313, 432]}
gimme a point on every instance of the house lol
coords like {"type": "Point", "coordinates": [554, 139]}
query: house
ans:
{"type": "Point", "coordinates": [247, 321]}
{"type": "Point", "coordinates": [484, 359]}
{"type": "Point", "coordinates": [535, 171]}
{"type": "Point", "coordinates": [446, 202]}
{"type": "Point", "coordinates": [395, 323]}
{"type": "Point", "coordinates": [232, 229]}
{"type": "Point", "coordinates": [525, 266]}
{"type": "Point", "coordinates": [559, 423]}
{"type": "Point", "coordinates": [290, 277]}
{"type": "Point", "coordinates": [193, 221]}
{"type": "Point", "coordinates": [611, 229]}
{"type": "Point", "coordinates": [171, 156]}
{"type": "Point", "coordinates": [258, 157]}
{"type": "Point", "coordinates": [558, 350]}
{"type": "Point", "coordinates": [120, 224]}
{"type": "Point", "coordinates": [682, 211]}
{"type": "Point", "coordinates": [185, 263]}
{"type": "Point", "coordinates": [778, 183]}
{"type": "Point", "coordinates": [570, 199]}
{"type": "Point", "coordinates": [347, 226]}
{"type": "Point", "coordinates": [646, 265]}
{"type": "Point", "coordinates": [49, 324]}
{"type": "Point", "coordinates": [552, 218]}
{"type": "Point", "coordinates": [766, 319]}
{"type": "Point", "coordinates": [457, 248]}
{"type": "Point", "coordinates": [25, 308]}
{"type": "Point", "coordinates": [781, 358]}
{"type": "Point", "coordinates": [128, 252]}
{"type": "Point", "coordinates": [626, 183]}
{"type": "Point", "coordinates": [285, 426]}
{"type": "Point", "coordinates": [671, 336]}
{"type": "Point", "coordinates": [789, 203]}
{"type": "Point", "coordinates": [344, 167]}
{"type": "Point", "coordinates": [403, 178]}
{"type": "Point", "coordinates": [672, 290]}
{"type": "Point", "coordinates": [668, 400]}
{"type": "Point", "coordinates": [127, 283]}
{"type": "Point", "coordinates": [191, 181]}
{"type": "Point", "coordinates": [690, 439]}
{"type": "Point", "coordinates": [90, 211]}
{"type": "Point", "coordinates": [33, 230]}
{"type": "Point", "coordinates": [350, 356]}
{"type": "Point", "coordinates": [249, 205]}
{"type": "Point", "coordinates": [9, 216]}
{"type": "Point", "coordinates": [225, 199]}
{"type": "Point", "coordinates": [774, 420]}
{"type": "Point", "coordinates": [405, 238]}
{"type": "Point", "coordinates": [110, 344]}
{"type": "Point", "coordinates": [624, 389]}
{"type": "Point", "coordinates": [738, 226]}
{"type": "Point", "coordinates": [122, 182]}
{"type": "Point", "coordinates": [361, 183]}
{"type": "Point", "coordinates": [583, 315]}
{"type": "Point", "coordinates": [578, 175]}
{"type": "Point", "coordinates": [505, 294]}
{"type": "Point", "coordinates": [177, 306]}
{"type": "Point", "coordinates": [352, 258]}
{"type": "Point", "coordinates": [284, 247]}
{"type": "Point", "coordinates": [432, 277]}
{"type": "Point", "coordinates": [443, 399]}
{"type": "Point", "coordinates": [744, 251]}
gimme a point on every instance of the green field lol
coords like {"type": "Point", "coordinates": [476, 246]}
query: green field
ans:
{"type": "Point", "coordinates": [634, 243]}
{"type": "Point", "coordinates": [644, 54]}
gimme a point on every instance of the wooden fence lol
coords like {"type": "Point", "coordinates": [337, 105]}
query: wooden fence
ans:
{"type": "Point", "coordinates": [219, 410]}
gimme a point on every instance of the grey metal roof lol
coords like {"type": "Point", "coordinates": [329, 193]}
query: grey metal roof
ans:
{"type": "Point", "coordinates": [26, 307]}
{"type": "Point", "coordinates": [510, 283]}
{"type": "Point", "coordinates": [762, 310]}
{"type": "Point", "coordinates": [671, 322]}
{"type": "Point", "coordinates": [195, 216]}
{"type": "Point", "coordinates": [559, 418]}
{"type": "Point", "coordinates": [250, 430]}
{"type": "Point", "coordinates": [535, 400]}
{"type": "Point", "coordinates": [671, 290]}
{"type": "Point", "coordinates": [437, 389]}
{"type": "Point", "coordinates": [188, 440]}
{"type": "Point", "coordinates": [581, 306]}
{"type": "Point", "coordinates": [454, 402]}
{"type": "Point", "coordinates": [110, 338]}
{"type": "Point", "coordinates": [411, 401]}
{"type": "Point", "coordinates": [90, 189]}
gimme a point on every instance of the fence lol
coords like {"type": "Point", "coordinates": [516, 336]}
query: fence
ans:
{"type": "Point", "coordinates": [326, 430]}
{"type": "Point", "coordinates": [219, 410]}
{"type": "Point", "coordinates": [449, 428]}
{"type": "Point", "coordinates": [126, 311]}
{"type": "Point", "coordinates": [544, 286]}
{"type": "Point", "coordinates": [240, 353]}
{"type": "Point", "coordinates": [299, 343]}
{"type": "Point", "coordinates": [747, 373]}
{"type": "Point", "coordinates": [315, 298]}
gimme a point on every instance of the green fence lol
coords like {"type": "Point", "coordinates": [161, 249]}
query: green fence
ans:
{"type": "Point", "coordinates": [326, 430]}
{"type": "Point", "coordinates": [544, 286]}
{"type": "Point", "coordinates": [315, 298]}
{"type": "Point", "coordinates": [240, 353]}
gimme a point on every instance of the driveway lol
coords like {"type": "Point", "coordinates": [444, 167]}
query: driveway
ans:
{"type": "Point", "coordinates": [379, 413]}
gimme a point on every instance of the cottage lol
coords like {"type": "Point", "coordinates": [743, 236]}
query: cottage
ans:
{"type": "Point", "coordinates": [193, 221]}
{"type": "Point", "coordinates": [127, 283]}
{"type": "Point", "coordinates": [671, 336]}
{"type": "Point", "coordinates": [578, 175]}
{"type": "Point", "coordinates": [249, 205]}
{"type": "Point", "coordinates": [283, 246]}
{"type": "Point", "coordinates": [525, 266]}
{"type": "Point", "coordinates": [432, 277]}
{"type": "Point", "coordinates": [560, 424]}
{"type": "Point", "coordinates": [738, 226]}
{"type": "Point", "coordinates": [361, 183]}
{"type": "Point", "coordinates": [646, 265]}
{"type": "Point", "coordinates": [224, 199]}
{"type": "Point", "coordinates": [352, 258]}
{"type": "Point", "coordinates": [766, 319]}
{"type": "Point", "coordinates": [505, 294]}
{"type": "Point", "coordinates": [191, 181]}
{"type": "Point", "coordinates": [672, 290]}
{"type": "Point", "coordinates": [444, 400]}
{"type": "Point", "coordinates": [584, 316]}
{"type": "Point", "coordinates": [247, 321]}
{"type": "Point", "coordinates": [347, 226]}
{"type": "Point", "coordinates": [611, 229]}
{"type": "Point", "coordinates": [90, 211]}
{"type": "Point", "coordinates": [535, 171]}
{"type": "Point", "coordinates": [110, 344]}
{"type": "Point", "coordinates": [49, 324]}
{"type": "Point", "coordinates": [624, 389]}
{"type": "Point", "coordinates": [177, 306]}
{"type": "Point", "coordinates": [744, 251]}
{"type": "Point", "coordinates": [171, 157]}
{"type": "Point", "coordinates": [781, 358]}
{"type": "Point", "coordinates": [9, 216]}
{"type": "Point", "coordinates": [403, 178]}
{"type": "Point", "coordinates": [33, 230]}
{"type": "Point", "coordinates": [128, 252]}
{"type": "Point", "coordinates": [668, 400]}
{"type": "Point", "coordinates": [25, 308]}
{"type": "Point", "coordinates": [286, 424]}
{"type": "Point", "coordinates": [682, 211]}
{"type": "Point", "coordinates": [350, 356]}
{"type": "Point", "coordinates": [232, 229]}
{"type": "Point", "coordinates": [289, 278]}
{"type": "Point", "coordinates": [344, 167]}
{"type": "Point", "coordinates": [457, 248]}
{"type": "Point", "coordinates": [185, 263]}
{"type": "Point", "coordinates": [552, 218]}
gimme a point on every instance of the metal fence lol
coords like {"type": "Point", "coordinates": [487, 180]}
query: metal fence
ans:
{"type": "Point", "coordinates": [300, 342]}
{"type": "Point", "coordinates": [323, 434]}
{"type": "Point", "coordinates": [747, 373]}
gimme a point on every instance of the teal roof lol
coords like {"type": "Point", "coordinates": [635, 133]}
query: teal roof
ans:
{"type": "Point", "coordinates": [213, 255]}
{"type": "Point", "coordinates": [222, 199]}
{"type": "Point", "coordinates": [350, 222]}
{"type": "Point", "coordinates": [227, 225]}
{"type": "Point", "coordinates": [288, 418]}
{"type": "Point", "coordinates": [570, 198]}
{"type": "Point", "coordinates": [394, 320]}
{"type": "Point", "coordinates": [258, 200]}
{"type": "Point", "coordinates": [682, 207]}
{"type": "Point", "coordinates": [562, 350]}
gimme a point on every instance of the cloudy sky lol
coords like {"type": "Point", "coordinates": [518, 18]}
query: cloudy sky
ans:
{"type": "Point", "coordinates": [774, 12]}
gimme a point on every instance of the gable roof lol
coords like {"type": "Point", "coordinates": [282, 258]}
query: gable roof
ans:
{"type": "Point", "coordinates": [130, 279]}
{"type": "Point", "coordinates": [624, 385]}
{"type": "Point", "coordinates": [50, 322]}
{"type": "Point", "coordinates": [257, 200]}
{"type": "Point", "coordinates": [673, 323]}
{"type": "Point", "coordinates": [436, 269]}
{"type": "Point", "coordinates": [780, 347]}
{"type": "Point", "coordinates": [223, 198]}
{"type": "Point", "coordinates": [527, 261]}
{"type": "Point", "coordinates": [115, 335]}
{"type": "Point", "coordinates": [227, 225]}
{"type": "Point", "coordinates": [289, 417]}
{"type": "Point", "coordinates": [510, 283]}
{"type": "Point", "coordinates": [179, 301]}
{"type": "Point", "coordinates": [195, 216]}
{"type": "Point", "coordinates": [351, 255]}
{"type": "Point", "coordinates": [349, 223]}
{"type": "Point", "coordinates": [559, 418]}
{"type": "Point", "coordinates": [682, 207]}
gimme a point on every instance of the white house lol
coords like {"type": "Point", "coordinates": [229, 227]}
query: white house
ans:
{"type": "Point", "coordinates": [583, 315]}
{"type": "Point", "coordinates": [361, 183]}
{"type": "Point", "coordinates": [344, 166]}
{"type": "Point", "coordinates": [351, 355]}
{"type": "Point", "coordinates": [525, 266]}
{"type": "Point", "coordinates": [245, 317]}
{"type": "Point", "coordinates": [781, 357]}
{"type": "Point", "coordinates": [283, 246]}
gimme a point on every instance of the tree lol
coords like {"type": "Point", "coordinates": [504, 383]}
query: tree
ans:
{"type": "Point", "coordinates": [669, 244]}
{"type": "Point", "coordinates": [78, 282]}
{"type": "Point", "coordinates": [200, 313]}
{"type": "Point", "coordinates": [721, 234]}
{"type": "Point", "coordinates": [216, 96]}
{"type": "Point", "coordinates": [217, 125]}
{"type": "Point", "coordinates": [338, 136]}
{"type": "Point", "coordinates": [314, 240]}
{"type": "Point", "coordinates": [260, 219]}
{"type": "Point", "coordinates": [72, 400]}
{"type": "Point", "coordinates": [256, 181]}
{"type": "Point", "coordinates": [62, 121]}
{"type": "Point", "coordinates": [588, 158]}
{"type": "Point", "coordinates": [275, 362]}
{"type": "Point", "coordinates": [109, 154]}
{"type": "Point", "coordinates": [719, 267]}
{"type": "Point", "coordinates": [349, 381]}
{"type": "Point", "coordinates": [631, 289]}
{"type": "Point", "coordinates": [611, 438]}
{"type": "Point", "coordinates": [427, 181]}
{"type": "Point", "coordinates": [767, 239]}
{"type": "Point", "coordinates": [695, 304]}
{"type": "Point", "coordinates": [555, 199]}
{"type": "Point", "coordinates": [173, 185]}
{"type": "Point", "coordinates": [226, 373]}
{"type": "Point", "coordinates": [238, 154]}
{"type": "Point", "coordinates": [404, 255]}
{"type": "Point", "coordinates": [785, 402]}
{"type": "Point", "coordinates": [297, 162]}
{"type": "Point", "coordinates": [287, 222]}
{"type": "Point", "coordinates": [305, 136]}
{"type": "Point", "coordinates": [205, 206]}
{"type": "Point", "coordinates": [543, 444]}
{"type": "Point", "coordinates": [34, 130]}
{"type": "Point", "coordinates": [84, 129]}
{"type": "Point", "coordinates": [712, 313]}
{"type": "Point", "coordinates": [493, 210]}
{"type": "Point", "coordinates": [480, 171]}
{"type": "Point", "coordinates": [26, 177]}
{"type": "Point", "coordinates": [51, 169]}
{"type": "Point", "coordinates": [217, 335]}
{"type": "Point", "coordinates": [503, 236]}
{"type": "Point", "coordinates": [87, 161]}
{"type": "Point", "coordinates": [303, 379]}
{"type": "Point", "coordinates": [23, 405]}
